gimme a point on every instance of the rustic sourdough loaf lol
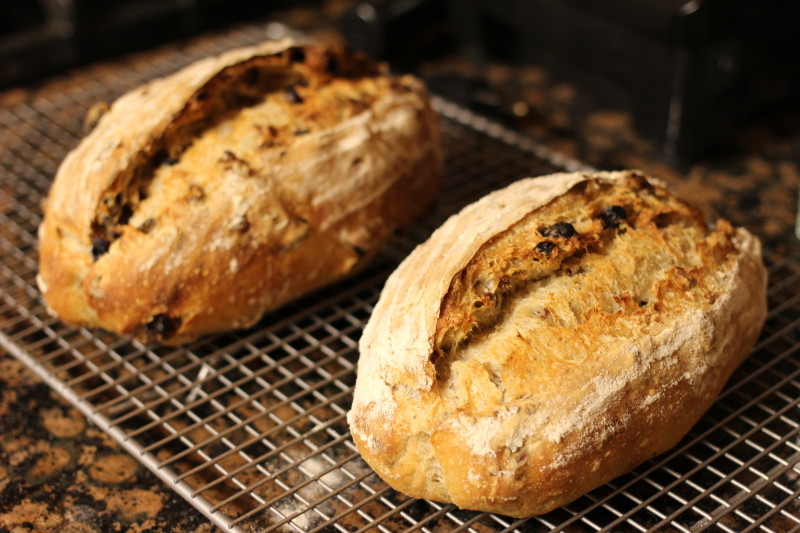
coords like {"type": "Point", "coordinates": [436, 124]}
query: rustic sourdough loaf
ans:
{"type": "Point", "coordinates": [205, 198]}
{"type": "Point", "coordinates": [550, 337]}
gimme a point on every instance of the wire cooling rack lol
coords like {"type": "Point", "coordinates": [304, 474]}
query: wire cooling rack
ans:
{"type": "Point", "coordinates": [250, 427]}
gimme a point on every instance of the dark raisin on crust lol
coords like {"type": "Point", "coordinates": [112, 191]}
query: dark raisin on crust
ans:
{"type": "Point", "coordinates": [162, 326]}
{"type": "Point", "coordinates": [292, 96]}
{"type": "Point", "coordinates": [332, 65]}
{"type": "Point", "coordinates": [164, 158]}
{"type": "Point", "coordinates": [125, 214]}
{"type": "Point", "coordinates": [100, 246]}
{"type": "Point", "coordinates": [297, 55]}
{"type": "Point", "coordinates": [559, 229]}
{"type": "Point", "coordinates": [546, 247]}
{"type": "Point", "coordinates": [613, 216]}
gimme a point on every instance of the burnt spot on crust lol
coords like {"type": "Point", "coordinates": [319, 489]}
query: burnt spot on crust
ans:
{"type": "Point", "coordinates": [162, 326]}
{"type": "Point", "coordinates": [563, 230]}
{"type": "Point", "coordinates": [612, 216]}
{"type": "Point", "coordinates": [546, 247]}
{"type": "Point", "coordinates": [100, 247]}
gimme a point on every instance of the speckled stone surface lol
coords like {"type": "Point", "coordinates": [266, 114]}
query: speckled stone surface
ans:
{"type": "Point", "coordinates": [59, 473]}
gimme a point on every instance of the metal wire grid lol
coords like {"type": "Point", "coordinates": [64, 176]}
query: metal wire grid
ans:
{"type": "Point", "coordinates": [250, 427]}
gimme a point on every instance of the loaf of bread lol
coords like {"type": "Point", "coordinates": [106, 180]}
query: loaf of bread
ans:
{"type": "Point", "coordinates": [550, 337]}
{"type": "Point", "coordinates": [203, 199]}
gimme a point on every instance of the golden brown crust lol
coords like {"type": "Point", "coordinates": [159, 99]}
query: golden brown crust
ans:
{"type": "Point", "coordinates": [201, 200]}
{"type": "Point", "coordinates": [522, 374]}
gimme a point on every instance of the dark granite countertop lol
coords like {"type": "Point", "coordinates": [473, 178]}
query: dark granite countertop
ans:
{"type": "Point", "coordinates": [59, 473]}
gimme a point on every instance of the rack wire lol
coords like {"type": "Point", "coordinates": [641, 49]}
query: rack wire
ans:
{"type": "Point", "coordinates": [250, 427]}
